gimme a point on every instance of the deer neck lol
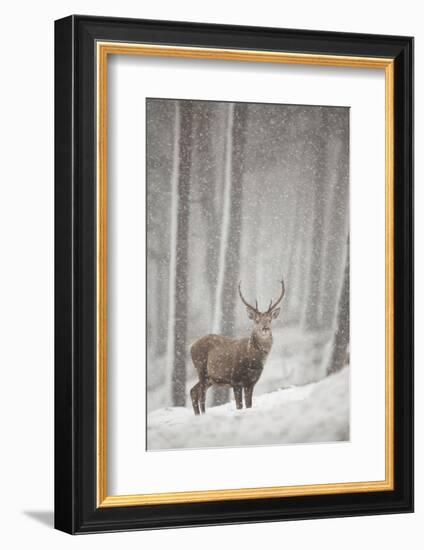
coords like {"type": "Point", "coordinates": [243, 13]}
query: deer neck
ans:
{"type": "Point", "coordinates": [262, 345]}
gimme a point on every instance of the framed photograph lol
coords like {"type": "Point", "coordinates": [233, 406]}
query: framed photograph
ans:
{"type": "Point", "coordinates": [234, 274]}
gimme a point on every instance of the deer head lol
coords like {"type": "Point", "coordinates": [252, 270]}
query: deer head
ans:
{"type": "Point", "coordinates": [262, 320]}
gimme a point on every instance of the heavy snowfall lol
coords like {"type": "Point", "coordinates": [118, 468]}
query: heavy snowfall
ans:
{"type": "Point", "coordinates": [252, 193]}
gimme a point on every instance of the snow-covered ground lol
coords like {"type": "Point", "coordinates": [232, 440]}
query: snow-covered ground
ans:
{"type": "Point", "coordinates": [304, 414]}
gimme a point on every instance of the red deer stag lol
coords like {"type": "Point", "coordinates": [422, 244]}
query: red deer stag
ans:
{"type": "Point", "coordinates": [238, 364]}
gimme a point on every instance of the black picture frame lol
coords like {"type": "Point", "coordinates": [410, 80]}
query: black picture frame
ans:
{"type": "Point", "coordinates": [76, 508]}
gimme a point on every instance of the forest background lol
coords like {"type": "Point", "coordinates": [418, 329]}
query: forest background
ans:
{"type": "Point", "coordinates": [251, 193]}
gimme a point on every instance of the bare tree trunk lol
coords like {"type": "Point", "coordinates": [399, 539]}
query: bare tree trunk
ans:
{"type": "Point", "coordinates": [177, 328]}
{"type": "Point", "coordinates": [206, 182]}
{"type": "Point", "coordinates": [295, 271]}
{"type": "Point", "coordinates": [299, 264]}
{"type": "Point", "coordinates": [232, 261]}
{"type": "Point", "coordinates": [162, 306]}
{"type": "Point", "coordinates": [289, 239]}
{"type": "Point", "coordinates": [340, 344]}
{"type": "Point", "coordinates": [152, 319]}
{"type": "Point", "coordinates": [226, 296]}
{"type": "Point", "coordinates": [337, 213]}
{"type": "Point", "coordinates": [225, 221]}
{"type": "Point", "coordinates": [311, 313]}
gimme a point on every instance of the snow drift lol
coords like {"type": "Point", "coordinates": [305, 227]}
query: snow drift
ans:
{"type": "Point", "coordinates": [317, 412]}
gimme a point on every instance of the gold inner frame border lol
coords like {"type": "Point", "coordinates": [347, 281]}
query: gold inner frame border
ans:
{"type": "Point", "coordinates": [103, 50]}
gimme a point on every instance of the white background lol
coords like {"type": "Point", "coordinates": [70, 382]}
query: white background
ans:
{"type": "Point", "coordinates": [362, 459]}
{"type": "Point", "coordinates": [26, 284]}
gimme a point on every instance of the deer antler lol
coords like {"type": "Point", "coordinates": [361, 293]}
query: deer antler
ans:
{"type": "Point", "coordinates": [273, 306]}
{"type": "Point", "coordinates": [255, 309]}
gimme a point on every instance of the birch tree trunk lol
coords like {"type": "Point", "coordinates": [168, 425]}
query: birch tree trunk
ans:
{"type": "Point", "coordinates": [178, 296]}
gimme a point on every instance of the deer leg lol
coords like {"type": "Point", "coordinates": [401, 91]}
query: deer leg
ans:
{"type": "Point", "coordinates": [238, 395]}
{"type": "Point", "coordinates": [202, 397]}
{"type": "Point", "coordinates": [194, 394]}
{"type": "Point", "coordinates": [248, 393]}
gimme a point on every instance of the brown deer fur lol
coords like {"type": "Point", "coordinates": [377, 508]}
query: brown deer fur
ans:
{"type": "Point", "coordinates": [235, 363]}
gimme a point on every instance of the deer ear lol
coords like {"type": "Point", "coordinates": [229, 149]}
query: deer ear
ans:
{"type": "Point", "coordinates": [250, 313]}
{"type": "Point", "coordinates": [276, 313]}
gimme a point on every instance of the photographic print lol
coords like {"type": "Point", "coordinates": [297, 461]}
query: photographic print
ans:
{"type": "Point", "coordinates": [247, 274]}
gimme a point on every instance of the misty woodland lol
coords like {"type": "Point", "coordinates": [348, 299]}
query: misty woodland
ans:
{"type": "Point", "coordinates": [247, 274]}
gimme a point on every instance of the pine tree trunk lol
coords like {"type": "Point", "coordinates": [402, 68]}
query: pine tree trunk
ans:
{"type": "Point", "coordinates": [340, 344]}
{"type": "Point", "coordinates": [295, 271]}
{"type": "Point", "coordinates": [226, 297]}
{"type": "Point", "coordinates": [179, 252]}
{"type": "Point", "coordinates": [206, 182]}
{"type": "Point", "coordinates": [232, 261]}
{"type": "Point", "coordinates": [312, 306]}
{"type": "Point", "coordinates": [337, 215]}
